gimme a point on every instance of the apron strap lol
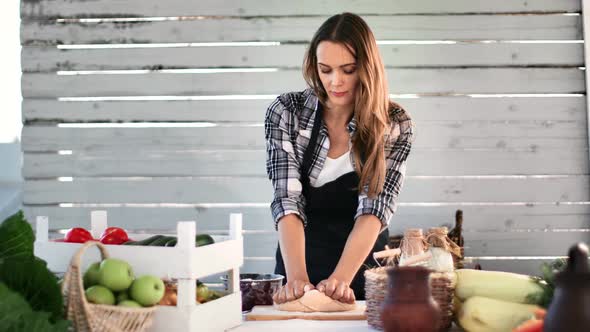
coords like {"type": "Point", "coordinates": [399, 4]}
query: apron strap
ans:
{"type": "Point", "coordinates": [307, 156]}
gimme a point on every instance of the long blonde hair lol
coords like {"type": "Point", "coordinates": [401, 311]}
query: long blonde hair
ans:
{"type": "Point", "coordinates": [372, 104]}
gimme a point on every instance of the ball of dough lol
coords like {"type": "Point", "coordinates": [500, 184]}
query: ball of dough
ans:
{"type": "Point", "coordinates": [315, 301]}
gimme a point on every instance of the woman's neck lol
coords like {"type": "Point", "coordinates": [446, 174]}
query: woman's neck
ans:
{"type": "Point", "coordinates": [338, 116]}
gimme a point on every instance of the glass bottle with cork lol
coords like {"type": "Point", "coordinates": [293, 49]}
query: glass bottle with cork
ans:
{"type": "Point", "coordinates": [442, 250]}
{"type": "Point", "coordinates": [456, 235]}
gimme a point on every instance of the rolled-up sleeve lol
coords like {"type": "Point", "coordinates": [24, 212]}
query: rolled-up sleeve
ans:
{"type": "Point", "coordinates": [397, 150]}
{"type": "Point", "coordinates": [282, 165]}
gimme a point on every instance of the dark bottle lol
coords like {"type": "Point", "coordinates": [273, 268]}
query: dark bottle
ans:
{"type": "Point", "coordinates": [409, 305]}
{"type": "Point", "coordinates": [456, 235]}
{"type": "Point", "coordinates": [570, 308]}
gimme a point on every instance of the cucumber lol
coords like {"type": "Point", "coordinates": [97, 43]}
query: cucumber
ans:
{"type": "Point", "coordinates": [171, 243]}
{"type": "Point", "coordinates": [203, 240]}
{"type": "Point", "coordinates": [149, 240]}
{"type": "Point", "coordinates": [162, 241]}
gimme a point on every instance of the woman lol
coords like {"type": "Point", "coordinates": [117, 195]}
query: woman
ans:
{"type": "Point", "coordinates": [336, 155]}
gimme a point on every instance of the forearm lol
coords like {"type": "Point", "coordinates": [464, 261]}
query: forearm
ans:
{"type": "Point", "coordinates": [292, 243]}
{"type": "Point", "coordinates": [358, 245]}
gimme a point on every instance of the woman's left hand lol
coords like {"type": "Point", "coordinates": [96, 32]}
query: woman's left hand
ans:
{"type": "Point", "coordinates": [336, 289]}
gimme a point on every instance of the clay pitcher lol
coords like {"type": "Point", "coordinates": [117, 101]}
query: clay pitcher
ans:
{"type": "Point", "coordinates": [570, 308]}
{"type": "Point", "coordinates": [409, 305]}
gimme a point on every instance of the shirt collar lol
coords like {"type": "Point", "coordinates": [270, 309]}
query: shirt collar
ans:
{"type": "Point", "coordinates": [352, 126]}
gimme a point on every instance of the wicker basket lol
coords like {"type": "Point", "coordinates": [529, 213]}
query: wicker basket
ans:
{"type": "Point", "coordinates": [89, 317]}
{"type": "Point", "coordinates": [442, 286]}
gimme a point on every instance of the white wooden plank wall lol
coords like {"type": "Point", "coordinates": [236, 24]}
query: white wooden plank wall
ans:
{"type": "Point", "coordinates": [172, 8]}
{"type": "Point", "coordinates": [153, 111]}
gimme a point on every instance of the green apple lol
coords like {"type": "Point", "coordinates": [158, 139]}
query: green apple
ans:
{"type": "Point", "coordinates": [147, 290]}
{"type": "Point", "coordinates": [122, 296]}
{"type": "Point", "coordinates": [115, 274]}
{"type": "Point", "coordinates": [202, 293]}
{"type": "Point", "coordinates": [129, 304]}
{"type": "Point", "coordinates": [91, 275]}
{"type": "Point", "coordinates": [100, 295]}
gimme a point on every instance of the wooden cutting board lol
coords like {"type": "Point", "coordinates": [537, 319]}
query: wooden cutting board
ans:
{"type": "Point", "coordinates": [268, 312]}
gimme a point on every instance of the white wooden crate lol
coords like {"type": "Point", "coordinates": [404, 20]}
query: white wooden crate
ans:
{"type": "Point", "coordinates": [184, 262]}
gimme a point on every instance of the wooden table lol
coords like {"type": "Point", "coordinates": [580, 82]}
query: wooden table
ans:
{"type": "Point", "coordinates": [298, 325]}
{"type": "Point", "coordinates": [292, 325]}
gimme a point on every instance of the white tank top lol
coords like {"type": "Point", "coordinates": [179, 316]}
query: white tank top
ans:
{"type": "Point", "coordinates": [333, 169]}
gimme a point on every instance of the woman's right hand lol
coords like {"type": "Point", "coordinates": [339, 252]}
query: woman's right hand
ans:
{"type": "Point", "coordinates": [292, 290]}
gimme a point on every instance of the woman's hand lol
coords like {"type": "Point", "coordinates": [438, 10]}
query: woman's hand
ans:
{"type": "Point", "coordinates": [292, 290]}
{"type": "Point", "coordinates": [336, 289]}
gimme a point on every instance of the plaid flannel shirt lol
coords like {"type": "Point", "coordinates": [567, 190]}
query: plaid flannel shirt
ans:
{"type": "Point", "coordinates": [288, 125]}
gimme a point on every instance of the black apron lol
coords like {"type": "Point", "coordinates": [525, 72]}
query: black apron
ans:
{"type": "Point", "coordinates": [330, 211]}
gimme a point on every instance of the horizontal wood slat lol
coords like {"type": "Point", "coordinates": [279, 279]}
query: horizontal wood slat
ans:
{"type": "Point", "coordinates": [252, 163]}
{"type": "Point", "coordinates": [524, 266]}
{"type": "Point", "coordinates": [412, 81]}
{"type": "Point", "coordinates": [298, 29]}
{"type": "Point", "coordinates": [421, 109]}
{"type": "Point", "coordinates": [503, 244]}
{"type": "Point", "coordinates": [132, 8]}
{"type": "Point", "coordinates": [490, 218]}
{"type": "Point", "coordinates": [258, 265]}
{"type": "Point", "coordinates": [476, 243]}
{"type": "Point", "coordinates": [484, 135]}
{"type": "Point", "coordinates": [258, 190]}
{"type": "Point", "coordinates": [47, 59]}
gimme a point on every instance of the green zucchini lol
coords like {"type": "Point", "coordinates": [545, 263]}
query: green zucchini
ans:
{"type": "Point", "coordinates": [171, 243]}
{"type": "Point", "coordinates": [149, 240]}
{"type": "Point", "coordinates": [203, 240]}
{"type": "Point", "coordinates": [162, 241]}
